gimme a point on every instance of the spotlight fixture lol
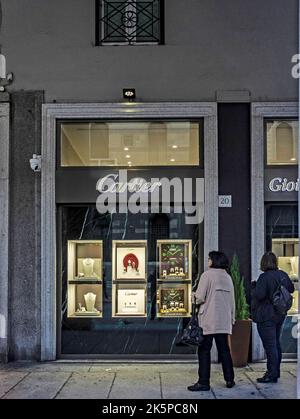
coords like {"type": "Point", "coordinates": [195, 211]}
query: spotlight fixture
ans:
{"type": "Point", "coordinates": [126, 149]}
{"type": "Point", "coordinates": [129, 94]}
{"type": "Point", "coordinates": [174, 146]}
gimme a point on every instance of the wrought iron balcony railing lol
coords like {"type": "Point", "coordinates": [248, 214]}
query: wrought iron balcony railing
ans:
{"type": "Point", "coordinates": [129, 22]}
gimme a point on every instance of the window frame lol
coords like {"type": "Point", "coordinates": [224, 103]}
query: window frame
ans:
{"type": "Point", "coordinates": [99, 29]}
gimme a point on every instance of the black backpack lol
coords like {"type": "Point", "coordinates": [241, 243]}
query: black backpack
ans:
{"type": "Point", "coordinates": [282, 300]}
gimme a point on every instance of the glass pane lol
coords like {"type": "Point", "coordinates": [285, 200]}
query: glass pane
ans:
{"type": "Point", "coordinates": [130, 144]}
{"type": "Point", "coordinates": [90, 325]}
{"type": "Point", "coordinates": [282, 143]}
{"type": "Point", "coordinates": [282, 239]}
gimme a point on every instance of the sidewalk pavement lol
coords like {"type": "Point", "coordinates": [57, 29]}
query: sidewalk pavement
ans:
{"type": "Point", "coordinates": [96, 380]}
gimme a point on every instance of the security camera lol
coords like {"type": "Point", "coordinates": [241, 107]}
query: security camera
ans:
{"type": "Point", "coordinates": [35, 163]}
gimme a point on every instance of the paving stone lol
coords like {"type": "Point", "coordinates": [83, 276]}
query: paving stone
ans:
{"type": "Point", "coordinates": [174, 386]}
{"type": "Point", "coordinates": [286, 388]}
{"type": "Point", "coordinates": [39, 385]}
{"type": "Point", "coordinates": [141, 384]}
{"type": "Point", "coordinates": [87, 386]}
{"type": "Point", "coordinates": [244, 388]}
{"type": "Point", "coordinates": [8, 379]}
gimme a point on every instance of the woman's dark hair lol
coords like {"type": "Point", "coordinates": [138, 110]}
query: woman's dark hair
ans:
{"type": "Point", "coordinates": [219, 260]}
{"type": "Point", "coordinates": [269, 262]}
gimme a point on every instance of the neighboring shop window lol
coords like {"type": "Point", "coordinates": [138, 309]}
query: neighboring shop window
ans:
{"type": "Point", "coordinates": [282, 142]}
{"type": "Point", "coordinates": [129, 22]}
{"type": "Point", "coordinates": [282, 239]}
{"type": "Point", "coordinates": [131, 144]}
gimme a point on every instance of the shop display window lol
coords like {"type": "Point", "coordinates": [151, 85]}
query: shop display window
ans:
{"type": "Point", "coordinates": [85, 278]}
{"type": "Point", "coordinates": [287, 251]}
{"type": "Point", "coordinates": [129, 278]}
{"type": "Point", "coordinates": [174, 278]}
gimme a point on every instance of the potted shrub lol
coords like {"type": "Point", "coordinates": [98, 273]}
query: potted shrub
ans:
{"type": "Point", "coordinates": [241, 333]}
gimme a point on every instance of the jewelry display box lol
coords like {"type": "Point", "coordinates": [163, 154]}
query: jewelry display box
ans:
{"type": "Point", "coordinates": [85, 278]}
{"type": "Point", "coordinates": [174, 278]}
{"type": "Point", "coordinates": [129, 278]}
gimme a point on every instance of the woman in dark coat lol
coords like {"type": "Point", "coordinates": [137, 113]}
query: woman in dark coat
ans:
{"type": "Point", "coordinates": [269, 323]}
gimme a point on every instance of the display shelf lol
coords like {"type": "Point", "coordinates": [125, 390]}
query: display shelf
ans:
{"type": "Point", "coordinates": [85, 286]}
{"type": "Point", "coordinates": [84, 282]}
{"type": "Point", "coordinates": [129, 300]}
{"type": "Point", "coordinates": [174, 300]}
{"type": "Point", "coordinates": [174, 260]}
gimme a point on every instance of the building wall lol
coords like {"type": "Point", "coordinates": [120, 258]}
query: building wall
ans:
{"type": "Point", "coordinates": [210, 45]}
{"type": "Point", "coordinates": [235, 180]}
{"type": "Point", "coordinates": [24, 255]}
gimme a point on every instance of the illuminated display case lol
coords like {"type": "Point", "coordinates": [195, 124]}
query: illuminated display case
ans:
{"type": "Point", "coordinates": [174, 278]}
{"type": "Point", "coordinates": [129, 275]}
{"type": "Point", "coordinates": [85, 278]}
{"type": "Point", "coordinates": [288, 261]}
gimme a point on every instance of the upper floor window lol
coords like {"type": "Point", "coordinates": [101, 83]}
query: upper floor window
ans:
{"type": "Point", "coordinates": [282, 142]}
{"type": "Point", "coordinates": [129, 22]}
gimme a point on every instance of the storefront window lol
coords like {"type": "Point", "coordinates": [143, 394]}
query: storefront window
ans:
{"type": "Point", "coordinates": [282, 239]}
{"type": "Point", "coordinates": [131, 144]}
{"type": "Point", "coordinates": [282, 142]}
{"type": "Point", "coordinates": [122, 293]}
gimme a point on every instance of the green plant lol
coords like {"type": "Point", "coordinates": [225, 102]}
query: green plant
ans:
{"type": "Point", "coordinates": [241, 306]}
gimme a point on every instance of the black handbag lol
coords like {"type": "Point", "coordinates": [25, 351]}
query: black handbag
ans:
{"type": "Point", "coordinates": [193, 333]}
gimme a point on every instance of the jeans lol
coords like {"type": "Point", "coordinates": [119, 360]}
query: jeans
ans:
{"type": "Point", "coordinates": [224, 354]}
{"type": "Point", "coordinates": [269, 333]}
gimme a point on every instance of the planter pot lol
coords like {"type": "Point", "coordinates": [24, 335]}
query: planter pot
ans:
{"type": "Point", "coordinates": [239, 342]}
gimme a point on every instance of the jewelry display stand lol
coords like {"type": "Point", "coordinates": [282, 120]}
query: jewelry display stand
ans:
{"type": "Point", "coordinates": [85, 285]}
{"type": "Point", "coordinates": [174, 278]}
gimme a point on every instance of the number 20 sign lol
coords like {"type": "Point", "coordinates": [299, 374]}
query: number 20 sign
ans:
{"type": "Point", "coordinates": [225, 201]}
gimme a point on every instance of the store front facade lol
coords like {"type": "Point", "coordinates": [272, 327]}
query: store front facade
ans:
{"type": "Point", "coordinates": [135, 298]}
{"type": "Point", "coordinates": [275, 187]}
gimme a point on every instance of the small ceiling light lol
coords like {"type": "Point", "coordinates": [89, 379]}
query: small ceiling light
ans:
{"type": "Point", "coordinates": [126, 149]}
{"type": "Point", "coordinates": [130, 163]}
{"type": "Point", "coordinates": [129, 94]}
{"type": "Point", "coordinates": [293, 159]}
{"type": "Point", "coordinates": [172, 160]}
{"type": "Point", "coordinates": [174, 146]}
{"type": "Point", "coordinates": [128, 156]}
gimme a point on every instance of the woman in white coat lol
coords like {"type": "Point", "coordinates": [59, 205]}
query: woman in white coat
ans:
{"type": "Point", "coordinates": [215, 295]}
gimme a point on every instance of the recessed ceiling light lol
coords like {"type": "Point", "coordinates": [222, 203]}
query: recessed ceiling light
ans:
{"type": "Point", "coordinates": [128, 156]}
{"type": "Point", "coordinates": [293, 159]}
{"type": "Point", "coordinates": [126, 149]}
{"type": "Point", "coordinates": [130, 163]}
{"type": "Point", "coordinates": [174, 146]}
{"type": "Point", "coordinates": [172, 160]}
